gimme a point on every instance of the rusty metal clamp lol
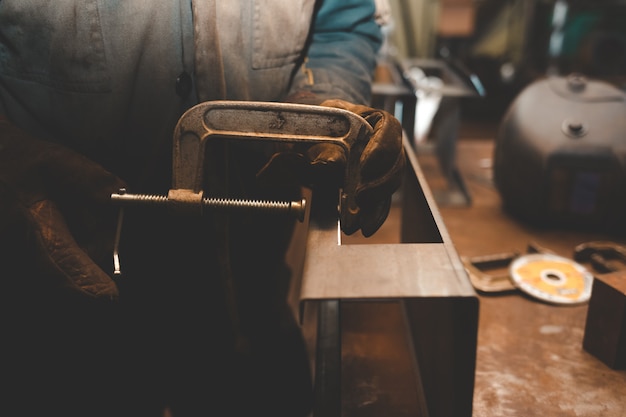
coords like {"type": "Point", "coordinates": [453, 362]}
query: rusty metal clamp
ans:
{"type": "Point", "coordinates": [260, 122]}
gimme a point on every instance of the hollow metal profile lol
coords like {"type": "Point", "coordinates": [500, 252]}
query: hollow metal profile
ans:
{"type": "Point", "coordinates": [424, 273]}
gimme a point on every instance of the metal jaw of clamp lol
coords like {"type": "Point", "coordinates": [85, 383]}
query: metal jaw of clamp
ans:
{"type": "Point", "coordinates": [254, 121]}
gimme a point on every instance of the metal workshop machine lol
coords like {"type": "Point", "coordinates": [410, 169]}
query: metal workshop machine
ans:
{"type": "Point", "coordinates": [393, 325]}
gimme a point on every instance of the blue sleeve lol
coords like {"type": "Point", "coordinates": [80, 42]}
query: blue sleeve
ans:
{"type": "Point", "coordinates": [342, 53]}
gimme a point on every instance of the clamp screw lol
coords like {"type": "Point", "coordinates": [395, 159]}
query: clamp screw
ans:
{"type": "Point", "coordinates": [295, 208]}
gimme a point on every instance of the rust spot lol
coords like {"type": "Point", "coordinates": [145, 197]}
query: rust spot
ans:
{"type": "Point", "coordinates": [337, 127]}
{"type": "Point", "coordinates": [278, 123]}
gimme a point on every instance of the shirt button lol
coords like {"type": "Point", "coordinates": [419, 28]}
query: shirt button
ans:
{"type": "Point", "coordinates": [183, 84]}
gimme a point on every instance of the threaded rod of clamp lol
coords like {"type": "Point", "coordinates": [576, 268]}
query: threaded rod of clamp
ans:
{"type": "Point", "coordinates": [297, 208]}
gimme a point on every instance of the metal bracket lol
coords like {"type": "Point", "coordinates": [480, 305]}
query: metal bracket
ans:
{"type": "Point", "coordinates": [605, 257]}
{"type": "Point", "coordinates": [490, 273]}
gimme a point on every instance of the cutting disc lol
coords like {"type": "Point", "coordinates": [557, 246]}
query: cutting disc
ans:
{"type": "Point", "coordinates": [552, 278]}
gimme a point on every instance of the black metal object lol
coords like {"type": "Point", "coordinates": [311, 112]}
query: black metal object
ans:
{"type": "Point", "coordinates": [560, 155]}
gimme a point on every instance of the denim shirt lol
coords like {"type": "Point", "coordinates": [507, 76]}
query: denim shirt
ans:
{"type": "Point", "coordinates": [110, 78]}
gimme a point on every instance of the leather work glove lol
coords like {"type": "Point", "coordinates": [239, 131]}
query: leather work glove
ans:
{"type": "Point", "coordinates": [381, 166]}
{"type": "Point", "coordinates": [55, 215]}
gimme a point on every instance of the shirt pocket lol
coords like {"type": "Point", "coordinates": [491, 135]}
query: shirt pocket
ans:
{"type": "Point", "coordinates": [55, 43]}
{"type": "Point", "coordinates": [280, 31]}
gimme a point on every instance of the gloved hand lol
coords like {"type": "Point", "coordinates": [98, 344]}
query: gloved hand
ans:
{"type": "Point", "coordinates": [54, 205]}
{"type": "Point", "coordinates": [381, 166]}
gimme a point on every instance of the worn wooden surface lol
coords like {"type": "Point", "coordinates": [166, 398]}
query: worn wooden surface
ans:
{"type": "Point", "coordinates": [530, 360]}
